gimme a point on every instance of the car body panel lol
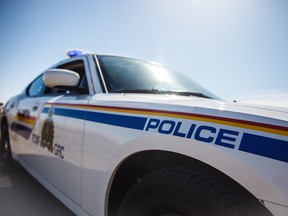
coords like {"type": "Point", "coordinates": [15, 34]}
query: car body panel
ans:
{"type": "Point", "coordinates": [75, 143]}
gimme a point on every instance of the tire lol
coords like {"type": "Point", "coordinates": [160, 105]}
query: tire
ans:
{"type": "Point", "coordinates": [6, 159]}
{"type": "Point", "coordinates": [181, 191]}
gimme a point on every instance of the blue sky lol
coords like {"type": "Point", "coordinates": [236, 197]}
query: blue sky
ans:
{"type": "Point", "coordinates": [238, 49]}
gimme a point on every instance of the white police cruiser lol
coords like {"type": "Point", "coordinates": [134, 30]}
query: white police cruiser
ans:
{"type": "Point", "coordinates": [110, 135]}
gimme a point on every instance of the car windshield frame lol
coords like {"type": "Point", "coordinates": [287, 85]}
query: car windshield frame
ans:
{"type": "Point", "coordinates": [129, 75]}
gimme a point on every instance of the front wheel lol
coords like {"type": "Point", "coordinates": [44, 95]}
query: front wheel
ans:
{"type": "Point", "coordinates": [182, 191]}
{"type": "Point", "coordinates": [5, 148]}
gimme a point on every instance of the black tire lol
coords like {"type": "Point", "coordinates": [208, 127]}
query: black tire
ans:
{"type": "Point", "coordinates": [6, 159]}
{"type": "Point", "coordinates": [181, 191]}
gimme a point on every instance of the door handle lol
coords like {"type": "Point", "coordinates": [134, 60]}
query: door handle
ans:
{"type": "Point", "coordinates": [35, 107]}
{"type": "Point", "coordinates": [24, 112]}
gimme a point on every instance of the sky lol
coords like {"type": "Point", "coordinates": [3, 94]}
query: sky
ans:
{"type": "Point", "coordinates": [238, 49]}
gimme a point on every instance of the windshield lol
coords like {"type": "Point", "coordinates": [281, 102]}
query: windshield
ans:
{"type": "Point", "coordinates": [126, 75]}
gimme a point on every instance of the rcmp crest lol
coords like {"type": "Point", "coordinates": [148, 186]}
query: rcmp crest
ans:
{"type": "Point", "coordinates": [47, 133]}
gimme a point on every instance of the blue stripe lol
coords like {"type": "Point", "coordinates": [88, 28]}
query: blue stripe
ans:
{"type": "Point", "coordinates": [78, 114]}
{"type": "Point", "coordinates": [132, 122]}
{"type": "Point", "coordinates": [45, 110]}
{"type": "Point", "coordinates": [265, 146]}
{"type": "Point", "coordinates": [20, 129]}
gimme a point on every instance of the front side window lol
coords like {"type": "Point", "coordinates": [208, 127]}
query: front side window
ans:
{"type": "Point", "coordinates": [37, 87]}
{"type": "Point", "coordinates": [78, 66]}
{"type": "Point", "coordinates": [126, 75]}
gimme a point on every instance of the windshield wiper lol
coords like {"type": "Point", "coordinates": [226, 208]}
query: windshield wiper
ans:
{"type": "Point", "coordinates": [157, 91]}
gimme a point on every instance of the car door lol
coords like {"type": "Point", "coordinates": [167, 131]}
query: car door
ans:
{"type": "Point", "coordinates": [24, 122]}
{"type": "Point", "coordinates": [54, 148]}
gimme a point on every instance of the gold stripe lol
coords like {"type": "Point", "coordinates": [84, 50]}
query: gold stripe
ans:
{"type": "Point", "coordinates": [25, 120]}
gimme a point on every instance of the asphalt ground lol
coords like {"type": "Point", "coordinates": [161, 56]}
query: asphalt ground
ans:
{"type": "Point", "coordinates": [22, 195]}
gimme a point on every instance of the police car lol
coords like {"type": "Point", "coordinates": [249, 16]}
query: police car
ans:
{"type": "Point", "coordinates": [111, 135]}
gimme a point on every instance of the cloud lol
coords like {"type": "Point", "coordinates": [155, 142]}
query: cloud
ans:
{"type": "Point", "coordinates": [277, 98]}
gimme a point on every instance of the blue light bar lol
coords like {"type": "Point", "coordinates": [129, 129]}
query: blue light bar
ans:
{"type": "Point", "coordinates": [73, 53]}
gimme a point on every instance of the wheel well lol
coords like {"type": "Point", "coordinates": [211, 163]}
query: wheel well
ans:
{"type": "Point", "coordinates": [142, 163]}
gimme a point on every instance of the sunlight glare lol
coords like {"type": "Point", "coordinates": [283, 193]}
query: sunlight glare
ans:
{"type": "Point", "coordinates": [161, 74]}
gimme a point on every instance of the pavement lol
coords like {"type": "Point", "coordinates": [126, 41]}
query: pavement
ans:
{"type": "Point", "coordinates": [22, 195]}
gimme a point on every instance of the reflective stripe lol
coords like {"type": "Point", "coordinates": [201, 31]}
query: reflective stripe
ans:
{"type": "Point", "coordinates": [265, 146]}
{"type": "Point", "coordinates": [251, 143]}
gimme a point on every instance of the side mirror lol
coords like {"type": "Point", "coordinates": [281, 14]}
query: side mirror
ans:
{"type": "Point", "coordinates": [60, 77]}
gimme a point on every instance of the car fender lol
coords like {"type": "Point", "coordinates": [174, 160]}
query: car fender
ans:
{"type": "Point", "coordinates": [231, 163]}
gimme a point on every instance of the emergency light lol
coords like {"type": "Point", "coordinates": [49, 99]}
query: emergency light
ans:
{"type": "Point", "coordinates": [73, 53]}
